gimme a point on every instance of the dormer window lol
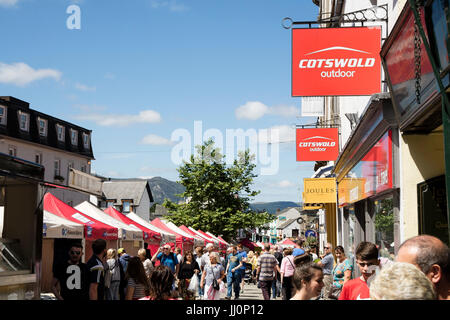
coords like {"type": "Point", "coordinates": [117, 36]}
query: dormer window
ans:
{"type": "Point", "coordinates": [60, 130]}
{"type": "Point", "coordinates": [86, 140]}
{"type": "Point", "coordinates": [42, 123]}
{"type": "Point", "coordinates": [74, 136]}
{"type": "Point", "coordinates": [2, 115]}
{"type": "Point", "coordinates": [24, 121]}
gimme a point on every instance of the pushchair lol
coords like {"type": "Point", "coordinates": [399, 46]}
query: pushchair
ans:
{"type": "Point", "coordinates": [248, 277]}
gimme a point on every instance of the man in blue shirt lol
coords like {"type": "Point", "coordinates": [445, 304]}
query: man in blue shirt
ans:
{"type": "Point", "coordinates": [243, 254]}
{"type": "Point", "coordinates": [233, 273]}
{"type": "Point", "coordinates": [167, 258]}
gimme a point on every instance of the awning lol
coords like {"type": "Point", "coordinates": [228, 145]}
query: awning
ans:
{"type": "Point", "coordinates": [197, 240]}
{"type": "Point", "coordinates": [222, 244]}
{"type": "Point", "coordinates": [287, 243]}
{"type": "Point", "coordinates": [60, 228]}
{"type": "Point", "coordinates": [167, 237]}
{"type": "Point", "coordinates": [147, 233]}
{"type": "Point", "coordinates": [181, 240]}
{"type": "Point", "coordinates": [220, 238]}
{"type": "Point", "coordinates": [215, 241]}
{"type": "Point", "coordinates": [126, 232]}
{"type": "Point", "coordinates": [249, 244]}
{"type": "Point", "coordinates": [93, 229]}
{"type": "Point", "coordinates": [195, 232]}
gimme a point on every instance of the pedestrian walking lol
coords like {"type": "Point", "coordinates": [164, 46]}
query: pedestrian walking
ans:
{"type": "Point", "coordinates": [401, 281]}
{"type": "Point", "coordinates": [367, 260]}
{"type": "Point", "coordinates": [327, 263]}
{"type": "Point", "coordinates": [212, 278]}
{"type": "Point", "coordinates": [233, 273]}
{"type": "Point", "coordinates": [137, 281]}
{"type": "Point", "coordinates": [205, 257]}
{"type": "Point", "coordinates": [167, 258]}
{"type": "Point", "coordinates": [432, 257]}
{"type": "Point", "coordinates": [253, 261]}
{"type": "Point", "coordinates": [287, 271]}
{"type": "Point", "coordinates": [178, 254]}
{"type": "Point", "coordinates": [70, 278]}
{"type": "Point", "coordinates": [112, 276]}
{"type": "Point", "coordinates": [307, 281]}
{"type": "Point", "coordinates": [276, 283]}
{"type": "Point", "coordinates": [123, 258]}
{"type": "Point", "coordinates": [189, 268]}
{"type": "Point", "coordinates": [161, 284]}
{"type": "Point", "coordinates": [342, 272]}
{"type": "Point", "coordinates": [267, 265]}
{"type": "Point", "coordinates": [96, 269]}
{"type": "Point", "coordinates": [198, 259]}
{"type": "Point", "coordinates": [243, 254]}
{"type": "Point", "coordinates": [147, 263]}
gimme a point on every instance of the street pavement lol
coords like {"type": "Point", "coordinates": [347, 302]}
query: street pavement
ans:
{"type": "Point", "coordinates": [251, 292]}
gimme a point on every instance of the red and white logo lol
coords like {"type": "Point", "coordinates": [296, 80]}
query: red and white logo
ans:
{"type": "Point", "coordinates": [317, 144]}
{"type": "Point", "coordinates": [336, 61]}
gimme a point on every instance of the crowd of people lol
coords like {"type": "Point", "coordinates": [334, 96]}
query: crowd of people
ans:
{"type": "Point", "coordinates": [420, 271]}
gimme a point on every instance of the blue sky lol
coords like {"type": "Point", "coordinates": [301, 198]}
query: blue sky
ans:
{"type": "Point", "coordinates": [138, 70]}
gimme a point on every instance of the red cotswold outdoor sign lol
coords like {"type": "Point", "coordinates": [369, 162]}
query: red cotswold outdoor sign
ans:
{"type": "Point", "coordinates": [336, 61]}
{"type": "Point", "coordinates": [317, 144]}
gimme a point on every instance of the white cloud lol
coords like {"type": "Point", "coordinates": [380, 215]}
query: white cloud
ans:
{"type": "Point", "coordinates": [155, 140]}
{"type": "Point", "coordinates": [254, 110]}
{"type": "Point", "coordinates": [83, 87]}
{"type": "Point", "coordinates": [110, 76]}
{"type": "Point", "coordinates": [8, 3]}
{"type": "Point", "coordinates": [285, 184]}
{"type": "Point", "coordinates": [172, 5]}
{"type": "Point", "coordinates": [277, 134]}
{"type": "Point", "coordinates": [122, 120]}
{"type": "Point", "coordinates": [21, 74]}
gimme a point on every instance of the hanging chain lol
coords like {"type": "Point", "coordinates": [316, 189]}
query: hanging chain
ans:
{"type": "Point", "coordinates": [417, 56]}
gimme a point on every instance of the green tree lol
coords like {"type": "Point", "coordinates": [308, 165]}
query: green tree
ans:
{"type": "Point", "coordinates": [218, 195]}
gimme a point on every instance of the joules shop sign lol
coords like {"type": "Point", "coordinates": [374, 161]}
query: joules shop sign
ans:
{"type": "Point", "coordinates": [318, 144]}
{"type": "Point", "coordinates": [336, 61]}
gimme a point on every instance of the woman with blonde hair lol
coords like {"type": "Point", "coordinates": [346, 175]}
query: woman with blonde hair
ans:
{"type": "Point", "coordinates": [147, 263]}
{"type": "Point", "coordinates": [212, 278]}
{"type": "Point", "coordinates": [112, 276]}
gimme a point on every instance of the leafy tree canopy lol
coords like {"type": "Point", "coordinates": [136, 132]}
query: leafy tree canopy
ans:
{"type": "Point", "coordinates": [218, 195]}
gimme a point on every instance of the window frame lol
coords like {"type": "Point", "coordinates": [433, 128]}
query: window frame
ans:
{"type": "Point", "coordinates": [72, 136]}
{"type": "Point", "coordinates": [3, 118]}
{"type": "Point", "coordinates": [27, 123]}
{"type": "Point", "coordinates": [44, 134]}
{"type": "Point", "coordinates": [63, 138]}
{"type": "Point", "coordinates": [86, 140]}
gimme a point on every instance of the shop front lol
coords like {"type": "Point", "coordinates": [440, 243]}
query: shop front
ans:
{"type": "Point", "coordinates": [367, 178]}
{"type": "Point", "coordinates": [415, 59]}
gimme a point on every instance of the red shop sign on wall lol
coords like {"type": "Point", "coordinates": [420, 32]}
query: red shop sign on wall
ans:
{"type": "Point", "coordinates": [317, 144]}
{"type": "Point", "coordinates": [336, 61]}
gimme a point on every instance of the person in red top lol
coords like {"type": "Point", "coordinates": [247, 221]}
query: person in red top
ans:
{"type": "Point", "coordinates": [367, 260]}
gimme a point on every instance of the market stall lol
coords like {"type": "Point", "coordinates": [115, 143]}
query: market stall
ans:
{"type": "Point", "coordinates": [55, 231]}
{"type": "Point", "coordinates": [151, 237]}
{"type": "Point", "coordinates": [181, 241]}
{"type": "Point", "coordinates": [93, 229]}
{"type": "Point", "coordinates": [166, 237]}
{"type": "Point", "coordinates": [197, 240]}
{"type": "Point", "coordinates": [130, 238]}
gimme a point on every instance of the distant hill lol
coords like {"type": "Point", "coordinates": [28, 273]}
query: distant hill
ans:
{"type": "Point", "coordinates": [163, 188]}
{"type": "Point", "coordinates": [271, 207]}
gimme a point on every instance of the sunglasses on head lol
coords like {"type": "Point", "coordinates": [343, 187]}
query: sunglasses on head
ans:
{"type": "Point", "coordinates": [75, 252]}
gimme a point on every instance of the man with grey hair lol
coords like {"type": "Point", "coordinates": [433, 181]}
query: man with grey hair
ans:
{"type": "Point", "coordinates": [401, 281]}
{"type": "Point", "coordinates": [432, 256]}
{"type": "Point", "coordinates": [327, 263]}
{"type": "Point", "coordinates": [205, 257]}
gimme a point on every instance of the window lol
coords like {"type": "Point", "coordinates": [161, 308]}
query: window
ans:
{"type": "Point", "coordinates": [74, 136]}
{"type": "Point", "coordinates": [60, 130]}
{"type": "Point", "coordinates": [38, 158]}
{"type": "Point", "coordinates": [83, 168]}
{"type": "Point", "coordinates": [109, 203]}
{"type": "Point", "coordinates": [126, 205]}
{"type": "Point", "coordinates": [69, 166]}
{"type": "Point", "coordinates": [384, 227]}
{"type": "Point", "coordinates": [86, 140]}
{"type": "Point", "coordinates": [3, 115]}
{"type": "Point", "coordinates": [24, 122]}
{"type": "Point", "coordinates": [57, 168]}
{"type": "Point", "coordinates": [12, 151]}
{"type": "Point", "coordinates": [42, 127]}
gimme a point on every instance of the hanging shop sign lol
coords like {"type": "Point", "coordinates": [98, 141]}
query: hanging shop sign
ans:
{"type": "Point", "coordinates": [318, 144]}
{"type": "Point", "coordinates": [319, 190]}
{"type": "Point", "coordinates": [371, 175]}
{"type": "Point", "coordinates": [408, 71]}
{"type": "Point", "coordinates": [336, 61]}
